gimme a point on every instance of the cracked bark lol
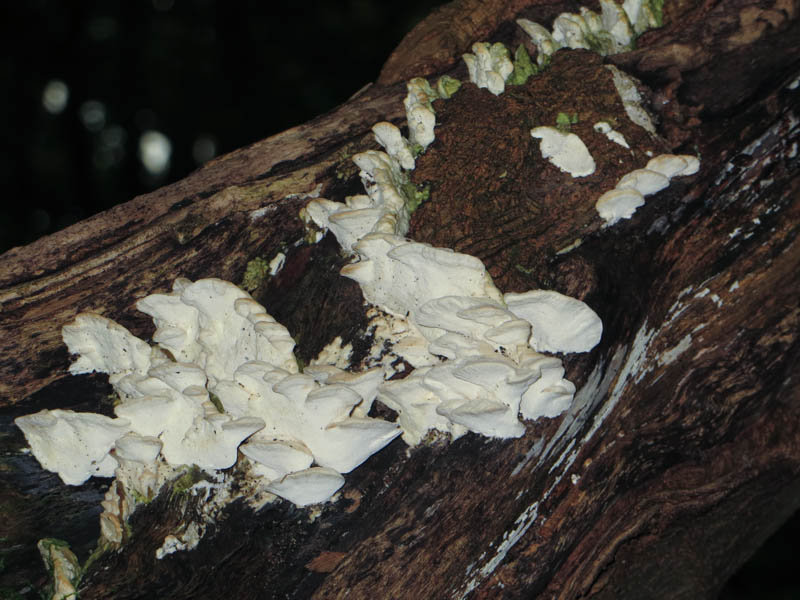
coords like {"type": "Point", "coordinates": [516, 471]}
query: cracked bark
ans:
{"type": "Point", "coordinates": [681, 453]}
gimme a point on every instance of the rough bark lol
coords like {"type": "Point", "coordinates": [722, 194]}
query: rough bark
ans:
{"type": "Point", "coordinates": [681, 453]}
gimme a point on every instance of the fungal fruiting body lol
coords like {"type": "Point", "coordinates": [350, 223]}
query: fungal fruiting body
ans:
{"type": "Point", "coordinates": [396, 146]}
{"type": "Point", "coordinates": [565, 150]}
{"type": "Point", "coordinates": [419, 112]}
{"type": "Point", "coordinates": [475, 366]}
{"type": "Point", "coordinates": [612, 31]}
{"type": "Point", "coordinates": [212, 339]}
{"type": "Point", "coordinates": [220, 386]}
{"type": "Point", "coordinates": [489, 66]}
{"type": "Point", "coordinates": [612, 134]}
{"type": "Point", "coordinates": [74, 445]}
{"type": "Point", "coordinates": [630, 191]}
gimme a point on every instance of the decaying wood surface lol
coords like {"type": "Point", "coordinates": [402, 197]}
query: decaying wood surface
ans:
{"type": "Point", "coordinates": [681, 453]}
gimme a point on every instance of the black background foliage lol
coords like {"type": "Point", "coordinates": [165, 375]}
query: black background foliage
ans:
{"type": "Point", "coordinates": [211, 76]}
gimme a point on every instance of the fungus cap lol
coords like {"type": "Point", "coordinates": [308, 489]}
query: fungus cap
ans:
{"type": "Point", "coordinates": [416, 405]}
{"type": "Point", "coordinates": [74, 445]}
{"type": "Point", "coordinates": [212, 443]}
{"type": "Point", "coordinates": [565, 150]}
{"type": "Point", "coordinates": [618, 204]}
{"type": "Point", "coordinates": [310, 486]}
{"type": "Point", "coordinates": [104, 346]}
{"type": "Point", "coordinates": [277, 458]}
{"type": "Point", "coordinates": [559, 323]}
{"type": "Point", "coordinates": [644, 181]}
{"type": "Point", "coordinates": [548, 396]}
{"type": "Point", "coordinates": [400, 276]}
{"type": "Point", "coordinates": [396, 146]}
{"type": "Point", "coordinates": [669, 165]}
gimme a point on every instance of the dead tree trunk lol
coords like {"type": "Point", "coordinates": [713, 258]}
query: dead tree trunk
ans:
{"type": "Point", "coordinates": [681, 452]}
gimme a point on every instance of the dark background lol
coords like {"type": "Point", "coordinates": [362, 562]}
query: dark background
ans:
{"type": "Point", "coordinates": [211, 77]}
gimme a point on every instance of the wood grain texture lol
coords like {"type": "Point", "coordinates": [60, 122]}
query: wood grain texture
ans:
{"type": "Point", "coordinates": [681, 452]}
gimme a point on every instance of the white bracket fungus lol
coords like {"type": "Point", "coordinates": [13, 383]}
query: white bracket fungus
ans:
{"type": "Point", "coordinates": [399, 275]}
{"type": "Point", "coordinates": [446, 86]}
{"type": "Point", "coordinates": [276, 458]}
{"type": "Point", "coordinates": [310, 486]}
{"type": "Point", "coordinates": [383, 180]}
{"type": "Point", "coordinates": [644, 181]}
{"type": "Point", "coordinates": [629, 193]}
{"type": "Point", "coordinates": [616, 22]}
{"type": "Point", "coordinates": [489, 66]}
{"type": "Point", "coordinates": [610, 32]}
{"type": "Point", "coordinates": [559, 323]}
{"type": "Point", "coordinates": [612, 134]}
{"type": "Point", "coordinates": [565, 150]}
{"type": "Point", "coordinates": [383, 210]}
{"type": "Point", "coordinates": [545, 44]}
{"type": "Point", "coordinates": [618, 204]}
{"type": "Point", "coordinates": [419, 112]}
{"type": "Point", "coordinates": [416, 404]}
{"type": "Point", "coordinates": [138, 463]}
{"type": "Point", "coordinates": [232, 348]}
{"type": "Point", "coordinates": [569, 31]}
{"type": "Point", "coordinates": [550, 394]}
{"type": "Point", "coordinates": [221, 376]}
{"type": "Point", "coordinates": [74, 445]}
{"type": "Point", "coordinates": [643, 14]}
{"type": "Point", "coordinates": [63, 566]}
{"type": "Point", "coordinates": [276, 264]}
{"type": "Point", "coordinates": [396, 146]}
{"type": "Point", "coordinates": [103, 345]}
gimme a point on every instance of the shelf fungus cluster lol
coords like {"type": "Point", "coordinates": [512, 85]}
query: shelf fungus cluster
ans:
{"type": "Point", "coordinates": [612, 31]}
{"type": "Point", "coordinates": [630, 191]}
{"type": "Point", "coordinates": [489, 66]}
{"type": "Point", "coordinates": [221, 378]}
{"type": "Point", "coordinates": [219, 385]}
{"type": "Point", "coordinates": [476, 352]}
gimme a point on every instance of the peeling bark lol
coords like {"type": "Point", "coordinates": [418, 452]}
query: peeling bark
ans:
{"type": "Point", "coordinates": [681, 453]}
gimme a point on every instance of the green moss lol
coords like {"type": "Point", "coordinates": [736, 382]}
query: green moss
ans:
{"type": "Point", "coordinates": [523, 67]}
{"type": "Point", "coordinates": [564, 122]}
{"type": "Point", "coordinates": [658, 11]}
{"type": "Point", "coordinates": [522, 269]}
{"type": "Point", "coordinates": [139, 497]}
{"type": "Point", "coordinates": [446, 86]}
{"type": "Point", "coordinates": [186, 480]}
{"type": "Point", "coordinates": [345, 167]}
{"type": "Point", "coordinates": [426, 89]}
{"type": "Point", "coordinates": [99, 551]}
{"type": "Point", "coordinates": [254, 274]}
{"type": "Point", "coordinates": [601, 42]}
{"type": "Point", "coordinates": [216, 402]}
{"type": "Point", "coordinates": [415, 195]}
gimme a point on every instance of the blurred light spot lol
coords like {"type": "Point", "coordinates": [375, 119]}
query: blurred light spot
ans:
{"type": "Point", "coordinates": [40, 220]}
{"type": "Point", "coordinates": [155, 150]}
{"type": "Point", "coordinates": [100, 29]}
{"type": "Point", "coordinates": [93, 115]}
{"type": "Point", "coordinates": [204, 149]}
{"type": "Point", "coordinates": [163, 5]}
{"type": "Point", "coordinates": [110, 148]}
{"type": "Point", "coordinates": [55, 96]}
